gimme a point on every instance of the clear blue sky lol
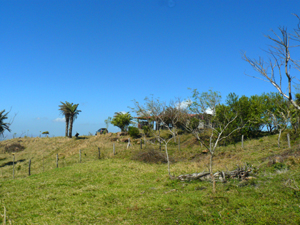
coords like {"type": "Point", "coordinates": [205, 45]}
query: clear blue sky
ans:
{"type": "Point", "coordinates": [103, 54]}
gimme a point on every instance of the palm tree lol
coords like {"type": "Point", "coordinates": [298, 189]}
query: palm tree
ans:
{"type": "Point", "coordinates": [73, 112]}
{"type": "Point", "coordinates": [3, 126]}
{"type": "Point", "coordinates": [64, 110]}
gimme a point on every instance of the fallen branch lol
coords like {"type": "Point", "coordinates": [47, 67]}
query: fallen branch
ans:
{"type": "Point", "coordinates": [239, 173]}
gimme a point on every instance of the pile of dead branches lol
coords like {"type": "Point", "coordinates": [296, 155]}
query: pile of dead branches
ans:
{"type": "Point", "coordinates": [240, 173]}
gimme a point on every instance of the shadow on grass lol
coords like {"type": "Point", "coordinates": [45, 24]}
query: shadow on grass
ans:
{"type": "Point", "coordinates": [10, 163]}
{"type": "Point", "coordinates": [78, 138]}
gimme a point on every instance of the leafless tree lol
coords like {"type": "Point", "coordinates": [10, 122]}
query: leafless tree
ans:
{"type": "Point", "coordinates": [216, 126]}
{"type": "Point", "coordinates": [165, 116]}
{"type": "Point", "coordinates": [280, 62]}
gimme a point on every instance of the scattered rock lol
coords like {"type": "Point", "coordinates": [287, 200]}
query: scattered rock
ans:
{"type": "Point", "coordinates": [119, 134]}
{"type": "Point", "coordinates": [114, 139]}
{"type": "Point", "coordinates": [205, 151]}
{"type": "Point", "coordinates": [124, 140]}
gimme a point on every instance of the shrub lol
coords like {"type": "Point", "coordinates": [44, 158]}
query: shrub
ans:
{"type": "Point", "coordinates": [180, 132]}
{"type": "Point", "coordinates": [14, 147]}
{"type": "Point", "coordinates": [146, 130]}
{"type": "Point", "coordinates": [133, 132]}
{"type": "Point", "coordinates": [150, 156]}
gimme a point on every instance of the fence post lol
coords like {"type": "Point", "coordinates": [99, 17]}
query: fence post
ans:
{"type": "Point", "coordinates": [57, 160]}
{"type": "Point", "coordinates": [29, 167]}
{"type": "Point", "coordinates": [13, 165]}
{"type": "Point", "coordinates": [288, 138]}
{"type": "Point", "coordinates": [79, 155]}
{"type": "Point", "coordinates": [4, 216]}
{"type": "Point", "coordinates": [99, 156]}
{"type": "Point", "coordinates": [128, 145]}
{"type": "Point", "coordinates": [178, 143]}
{"type": "Point", "coordinates": [242, 141]}
{"type": "Point", "coordinates": [114, 150]}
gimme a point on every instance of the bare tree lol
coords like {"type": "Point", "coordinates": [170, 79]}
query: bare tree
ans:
{"type": "Point", "coordinates": [215, 126]}
{"type": "Point", "coordinates": [279, 63]}
{"type": "Point", "coordinates": [165, 116]}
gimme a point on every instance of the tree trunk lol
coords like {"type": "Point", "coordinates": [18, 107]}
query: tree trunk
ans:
{"type": "Point", "coordinates": [211, 172]}
{"type": "Point", "coordinates": [166, 147]}
{"type": "Point", "coordinates": [71, 127]}
{"type": "Point", "coordinates": [279, 138]}
{"type": "Point", "coordinates": [67, 125]}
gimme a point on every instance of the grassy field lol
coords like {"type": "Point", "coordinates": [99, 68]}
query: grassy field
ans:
{"type": "Point", "coordinates": [119, 190]}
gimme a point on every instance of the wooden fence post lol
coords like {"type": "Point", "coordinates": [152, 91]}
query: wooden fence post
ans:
{"type": "Point", "coordinates": [29, 167]}
{"type": "Point", "coordinates": [13, 165]}
{"type": "Point", "coordinates": [99, 155]}
{"type": "Point", "coordinates": [79, 155]}
{"type": "Point", "coordinates": [4, 216]}
{"type": "Point", "coordinates": [242, 141]}
{"type": "Point", "coordinates": [289, 142]}
{"type": "Point", "coordinates": [178, 143]}
{"type": "Point", "coordinates": [57, 160]}
{"type": "Point", "coordinates": [128, 145]}
{"type": "Point", "coordinates": [114, 150]}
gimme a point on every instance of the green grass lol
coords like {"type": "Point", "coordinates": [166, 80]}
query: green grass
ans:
{"type": "Point", "coordinates": [118, 190]}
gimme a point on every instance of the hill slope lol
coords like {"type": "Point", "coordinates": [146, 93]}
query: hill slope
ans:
{"type": "Point", "coordinates": [119, 190]}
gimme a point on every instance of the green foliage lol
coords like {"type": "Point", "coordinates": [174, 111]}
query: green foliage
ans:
{"type": "Point", "coordinates": [3, 126]}
{"type": "Point", "coordinates": [122, 120]}
{"type": "Point", "coordinates": [280, 166]}
{"type": "Point", "coordinates": [258, 112]}
{"type": "Point", "coordinates": [147, 130]}
{"type": "Point", "coordinates": [45, 132]}
{"type": "Point", "coordinates": [133, 132]}
{"type": "Point", "coordinates": [205, 101]}
{"type": "Point", "coordinates": [70, 111]}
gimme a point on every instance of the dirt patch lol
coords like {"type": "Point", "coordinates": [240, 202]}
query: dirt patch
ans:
{"type": "Point", "coordinates": [14, 147]}
{"type": "Point", "coordinates": [294, 152]}
{"type": "Point", "coordinates": [151, 156]}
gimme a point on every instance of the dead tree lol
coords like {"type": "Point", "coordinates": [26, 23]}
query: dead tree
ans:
{"type": "Point", "coordinates": [279, 63]}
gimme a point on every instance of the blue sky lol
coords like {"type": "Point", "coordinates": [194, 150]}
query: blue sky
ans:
{"type": "Point", "coordinates": [103, 54]}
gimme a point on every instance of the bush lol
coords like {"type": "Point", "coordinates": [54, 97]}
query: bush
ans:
{"type": "Point", "coordinates": [14, 147]}
{"type": "Point", "coordinates": [150, 156]}
{"type": "Point", "coordinates": [147, 130]}
{"type": "Point", "coordinates": [180, 132]}
{"type": "Point", "coordinates": [133, 132]}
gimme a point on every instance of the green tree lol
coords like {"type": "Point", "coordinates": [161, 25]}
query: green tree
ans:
{"type": "Point", "coordinates": [3, 125]}
{"type": "Point", "coordinates": [122, 120]}
{"type": "Point", "coordinates": [70, 111]}
{"type": "Point", "coordinates": [64, 110]}
{"type": "Point", "coordinates": [73, 112]}
{"type": "Point", "coordinates": [45, 133]}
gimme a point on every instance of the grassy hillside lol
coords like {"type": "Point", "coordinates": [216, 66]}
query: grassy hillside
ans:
{"type": "Point", "coordinates": [119, 190]}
